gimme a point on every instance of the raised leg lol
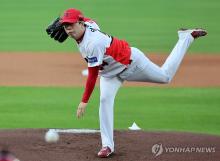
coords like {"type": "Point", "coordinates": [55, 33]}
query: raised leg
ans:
{"type": "Point", "coordinates": [144, 70]}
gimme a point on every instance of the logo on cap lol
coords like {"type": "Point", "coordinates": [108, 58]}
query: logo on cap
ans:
{"type": "Point", "coordinates": [66, 14]}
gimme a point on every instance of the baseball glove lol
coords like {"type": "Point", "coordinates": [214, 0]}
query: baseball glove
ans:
{"type": "Point", "coordinates": [56, 31]}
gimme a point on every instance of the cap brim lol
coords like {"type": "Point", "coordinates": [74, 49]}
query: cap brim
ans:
{"type": "Point", "coordinates": [71, 20]}
{"type": "Point", "coordinates": [67, 21]}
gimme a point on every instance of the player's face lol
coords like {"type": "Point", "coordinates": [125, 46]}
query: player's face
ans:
{"type": "Point", "coordinates": [75, 30]}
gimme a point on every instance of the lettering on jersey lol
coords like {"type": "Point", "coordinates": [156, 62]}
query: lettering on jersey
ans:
{"type": "Point", "coordinates": [93, 30]}
{"type": "Point", "coordinates": [92, 59]}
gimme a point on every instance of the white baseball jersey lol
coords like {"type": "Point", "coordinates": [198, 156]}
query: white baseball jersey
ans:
{"type": "Point", "coordinates": [100, 49]}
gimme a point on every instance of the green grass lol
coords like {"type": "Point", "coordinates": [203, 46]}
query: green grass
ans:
{"type": "Point", "coordinates": [147, 24]}
{"type": "Point", "coordinates": [167, 109]}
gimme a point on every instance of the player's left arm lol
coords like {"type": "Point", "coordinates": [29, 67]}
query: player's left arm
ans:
{"type": "Point", "coordinates": [95, 59]}
{"type": "Point", "coordinates": [90, 85]}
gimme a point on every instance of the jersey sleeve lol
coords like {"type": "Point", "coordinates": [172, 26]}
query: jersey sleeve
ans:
{"type": "Point", "coordinates": [90, 83]}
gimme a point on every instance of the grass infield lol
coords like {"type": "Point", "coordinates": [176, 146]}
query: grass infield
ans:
{"type": "Point", "coordinates": [166, 109]}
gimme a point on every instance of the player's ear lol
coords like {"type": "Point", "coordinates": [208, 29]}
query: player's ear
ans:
{"type": "Point", "coordinates": [81, 22]}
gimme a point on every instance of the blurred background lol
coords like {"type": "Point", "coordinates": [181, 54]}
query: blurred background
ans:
{"type": "Point", "coordinates": [147, 24]}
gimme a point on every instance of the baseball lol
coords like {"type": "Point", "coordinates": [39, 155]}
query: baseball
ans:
{"type": "Point", "coordinates": [51, 136]}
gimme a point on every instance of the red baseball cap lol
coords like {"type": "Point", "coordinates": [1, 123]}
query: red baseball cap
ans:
{"type": "Point", "coordinates": [71, 16]}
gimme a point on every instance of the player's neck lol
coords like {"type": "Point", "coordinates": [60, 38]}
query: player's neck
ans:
{"type": "Point", "coordinates": [79, 40]}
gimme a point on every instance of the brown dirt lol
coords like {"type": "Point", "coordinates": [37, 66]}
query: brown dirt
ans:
{"type": "Point", "coordinates": [29, 145]}
{"type": "Point", "coordinates": [48, 69]}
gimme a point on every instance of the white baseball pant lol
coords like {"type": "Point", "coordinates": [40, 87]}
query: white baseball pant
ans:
{"type": "Point", "coordinates": [143, 70]}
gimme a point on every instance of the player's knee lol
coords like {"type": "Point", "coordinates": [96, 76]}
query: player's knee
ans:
{"type": "Point", "coordinates": [166, 80]}
{"type": "Point", "coordinates": [104, 99]}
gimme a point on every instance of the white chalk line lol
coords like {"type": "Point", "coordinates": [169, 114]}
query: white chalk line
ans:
{"type": "Point", "coordinates": [75, 131]}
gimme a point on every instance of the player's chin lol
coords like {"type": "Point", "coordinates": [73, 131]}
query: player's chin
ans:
{"type": "Point", "coordinates": [73, 36]}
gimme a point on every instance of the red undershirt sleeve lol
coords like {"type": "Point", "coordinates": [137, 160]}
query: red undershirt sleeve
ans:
{"type": "Point", "coordinates": [90, 83]}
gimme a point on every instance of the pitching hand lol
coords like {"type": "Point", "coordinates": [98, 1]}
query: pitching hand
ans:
{"type": "Point", "coordinates": [81, 109]}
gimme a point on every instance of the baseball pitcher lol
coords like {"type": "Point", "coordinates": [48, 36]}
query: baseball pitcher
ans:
{"type": "Point", "coordinates": [115, 61]}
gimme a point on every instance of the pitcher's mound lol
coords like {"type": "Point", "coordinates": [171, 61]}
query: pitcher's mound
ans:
{"type": "Point", "coordinates": [29, 145]}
